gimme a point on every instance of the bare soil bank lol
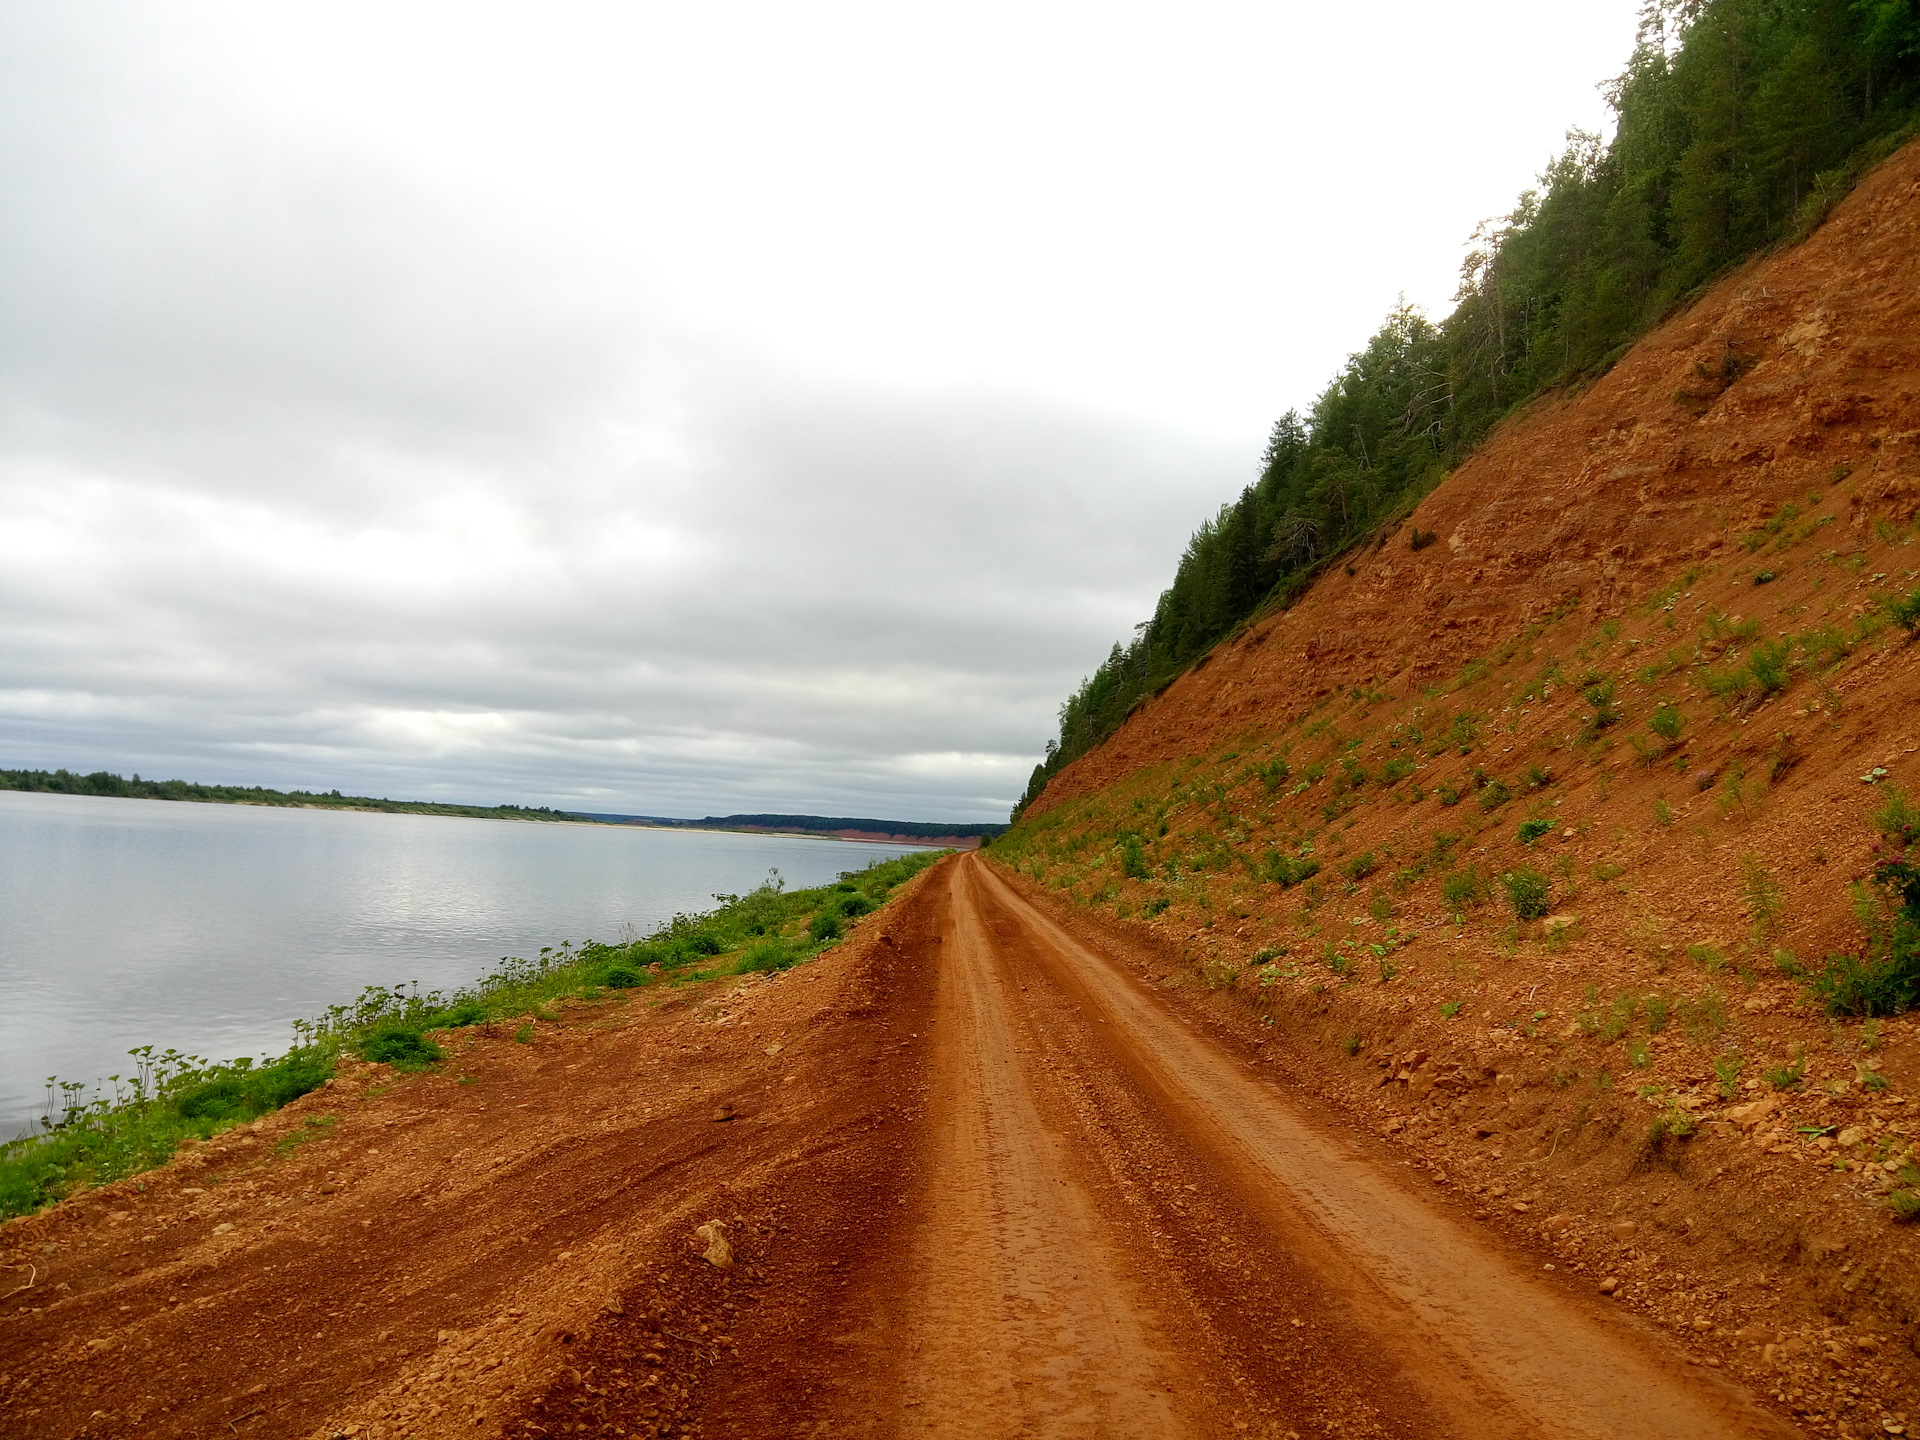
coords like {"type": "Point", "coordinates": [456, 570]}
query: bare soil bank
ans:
{"type": "Point", "coordinates": [1640, 1087]}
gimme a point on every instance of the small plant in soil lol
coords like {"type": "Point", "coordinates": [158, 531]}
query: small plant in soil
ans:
{"type": "Point", "coordinates": [1726, 1074]}
{"type": "Point", "coordinates": [1764, 897]}
{"type": "Point", "coordinates": [1351, 1044]}
{"type": "Point", "coordinates": [1666, 721]}
{"type": "Point", "coordinates": [1905, 1201]}
{"type": "Point", "coordinates": [1529, 892]}
{"type": "Point", "coordinates": [1532, 830]}
{"type": "Point", "coordinates": [1886, 979]}
{"type": "Point", "coordinates": [1787, 1077]}
{"type": "Point", "coordinates": [1898, 818]}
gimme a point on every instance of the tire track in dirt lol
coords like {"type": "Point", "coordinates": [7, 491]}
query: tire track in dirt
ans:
{"type": "Point", "coordinates": [1028, 1317]}
{"type": "Point", "coordinates": [1443, 1331]}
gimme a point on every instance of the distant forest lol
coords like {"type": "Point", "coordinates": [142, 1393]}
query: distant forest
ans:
{"type": "Point", "coordinates": [826, 824]}
{"type": "Point", "coordinates": [1740, 124]}
{"type": "Point", "coordinates": [100, 782]}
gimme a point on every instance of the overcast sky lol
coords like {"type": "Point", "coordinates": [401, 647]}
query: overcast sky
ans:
{"type": "Point", "coordinates": [682, 408]}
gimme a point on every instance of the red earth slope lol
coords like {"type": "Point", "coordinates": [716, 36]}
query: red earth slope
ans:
{"type": "Point", "coordinates": [1604, 496]}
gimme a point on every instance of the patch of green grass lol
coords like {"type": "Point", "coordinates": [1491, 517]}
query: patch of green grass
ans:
{"type": "Point", "coordinates": [402, 1047]}
{"type": "Point", "coordinates": [1451, 1008]}
{"type": "Point", "coordinates": [1462, 888]}
{"type": "Point", "coordinates": [1787, 1077]}
{"type": "Point", "coordinates": [1708, 957]}
{"type": "Point", "coordinates": [173, 1097]}
{"type": "Point", "coordinates": [311, 1129]}
{"type": "Point", "coordinates": [1532, 830]}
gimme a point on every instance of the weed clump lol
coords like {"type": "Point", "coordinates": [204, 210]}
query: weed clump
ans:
{"type": "Point", "coordinates": [1461, 888]}
{"type": "Point", "coordinates": [1898, 818]}
{"type": "Point", "coordinates": [1529, 892]}
{"type": "Point", "coordinates": [1885, 980]}
{"type": "Point", "coordinates": [1666, 721]}
{"type": "Point", "coordinates": [1532, 830]}
{"type": "Point", "coordinates": [1286, 871]}
{"type": "Point", "coordinates": [401, 1047]}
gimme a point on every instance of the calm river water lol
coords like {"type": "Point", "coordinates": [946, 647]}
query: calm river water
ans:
{"type": "Point", "coordinates": [209, 928]}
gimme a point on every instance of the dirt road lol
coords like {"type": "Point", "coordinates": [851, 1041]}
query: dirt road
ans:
{"type": "Point", "coordinates": [1127, 1232]}
{"type": "Point", "coordinates": [980, 1179]}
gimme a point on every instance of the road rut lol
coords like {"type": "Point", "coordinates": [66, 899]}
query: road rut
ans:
{"type": "Point", "coordinates": [1125, 1231]}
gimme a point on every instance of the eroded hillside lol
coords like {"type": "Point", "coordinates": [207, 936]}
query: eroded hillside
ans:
{"type": "Point", "coordinates": [1639, 666]}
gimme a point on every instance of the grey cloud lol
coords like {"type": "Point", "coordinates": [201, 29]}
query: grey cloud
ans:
{"type": "Point", "coordinates": [308, 476]}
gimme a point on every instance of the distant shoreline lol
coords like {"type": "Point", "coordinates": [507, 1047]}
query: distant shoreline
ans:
{"type": "Point", "coordinates": [102, 784]}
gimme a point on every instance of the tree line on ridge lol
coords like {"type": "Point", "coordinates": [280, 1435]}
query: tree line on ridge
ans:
{"type": "Point", "coordinates": [1739, 125]}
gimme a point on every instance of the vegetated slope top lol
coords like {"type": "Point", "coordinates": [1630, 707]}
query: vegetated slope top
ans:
{"type": "Point", "coordinates": [1798, 373]}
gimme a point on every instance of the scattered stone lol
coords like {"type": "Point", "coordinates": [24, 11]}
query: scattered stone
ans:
{"type": "Point", "coordinates": [719, 1251]}
{"type": "Point", "coordinates": [1852, 1136]}
{"type": "Point", "coordinates": [223, 1227]}
{"type": "Point", "coordinates": [725, 1112]}
{"type": "Point", "coordinates": [1753, 1112]}
{"type": "Point", "coordinates": [1554, 924]}
{"type": "Point", "coordinates": [1557, 1223]}
{"type": "Point", "coordinates": [1624, 1230]}
{"type": "Point", "coordinates": [1609, 1285]}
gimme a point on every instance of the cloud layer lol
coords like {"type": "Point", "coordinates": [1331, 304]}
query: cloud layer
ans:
{"type": "Point", "coordinates": [643, 413]}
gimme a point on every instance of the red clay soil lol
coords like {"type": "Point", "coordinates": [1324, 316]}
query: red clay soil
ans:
{"type": "Point", "coordinates": [1749, 473]}
{"type": "Point", "coordinates": [977, 1179]}
{"type": "Point", "coordinates": [993, 1168]}
{"type": "Point", "coordinates": [1601, 497]}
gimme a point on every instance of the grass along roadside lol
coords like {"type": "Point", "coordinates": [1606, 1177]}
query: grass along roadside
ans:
{"type": "Point", "coordinates": [134, 1122]}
